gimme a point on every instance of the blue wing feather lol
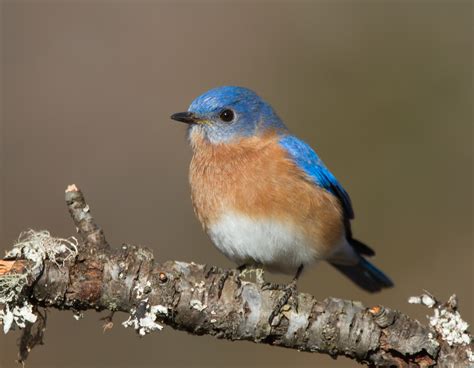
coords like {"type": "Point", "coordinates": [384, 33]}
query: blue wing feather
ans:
{"type": "Point", "coordinates": [306, 159]}
{"type": "Point", "coordinates": [364, 274]}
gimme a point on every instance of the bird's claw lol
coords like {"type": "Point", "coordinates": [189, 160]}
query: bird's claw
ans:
{"type": "Point", "coordinates": [272, 286]}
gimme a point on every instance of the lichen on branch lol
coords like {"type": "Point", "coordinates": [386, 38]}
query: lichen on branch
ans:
{"type": "Point", "coordinates": [48, 272]}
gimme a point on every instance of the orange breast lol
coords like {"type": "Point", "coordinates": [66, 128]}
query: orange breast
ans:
{"type": "Point", "coordinates": [255, 177]}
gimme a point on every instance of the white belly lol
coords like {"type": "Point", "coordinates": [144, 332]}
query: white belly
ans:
{"type": "Point", "coordinates": [276, 245]}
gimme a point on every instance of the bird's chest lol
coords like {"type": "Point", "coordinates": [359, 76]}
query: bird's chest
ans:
{"type": "Point", "coordinates": [220, 182]}
{"type": "Point", "coordinates": [256, 205]}
{"type": "Point", "coordinates": [238, 197]}
{"type": "Point", "coordinates": [234, 177]}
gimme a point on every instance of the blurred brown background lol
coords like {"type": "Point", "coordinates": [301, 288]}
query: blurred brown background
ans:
{"type": "Point", "coordinates": [383, 90]}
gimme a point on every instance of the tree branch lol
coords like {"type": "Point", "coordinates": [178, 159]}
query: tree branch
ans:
{"type": "Point", "coordinates": [58, 273]}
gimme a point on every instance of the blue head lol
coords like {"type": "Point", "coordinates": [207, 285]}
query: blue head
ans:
{"type": "Point", "coordinates": [224, 114]}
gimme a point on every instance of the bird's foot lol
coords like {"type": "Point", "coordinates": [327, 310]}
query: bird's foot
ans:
{"type": "Point", "coordinates": [290, 292]}
{"type": "Point", "coordinates": [272, 286]}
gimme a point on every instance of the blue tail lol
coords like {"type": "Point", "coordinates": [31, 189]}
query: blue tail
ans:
{"type": "Point", "coordinates": [365, 275]}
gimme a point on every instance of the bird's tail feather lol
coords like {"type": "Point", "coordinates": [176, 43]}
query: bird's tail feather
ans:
{"type": "Point", "coordinates": [365, 275]}
{"type": "Point", "coordinates": [361, 248]}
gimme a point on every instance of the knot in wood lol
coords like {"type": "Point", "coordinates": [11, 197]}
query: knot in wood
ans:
{"type": "Point", "coordinates": [162, 276]}
{"type": "Point", "coordinates": [382, 317]}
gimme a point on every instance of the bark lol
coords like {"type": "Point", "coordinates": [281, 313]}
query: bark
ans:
{"type": "Point", "coordinates": [209, 300]}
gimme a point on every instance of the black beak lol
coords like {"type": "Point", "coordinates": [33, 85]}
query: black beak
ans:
{"type": "Point", "coordinates": [185, 117]}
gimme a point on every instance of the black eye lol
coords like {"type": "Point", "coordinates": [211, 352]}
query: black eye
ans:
{"type": "Point", "coordinates": [227, 115]}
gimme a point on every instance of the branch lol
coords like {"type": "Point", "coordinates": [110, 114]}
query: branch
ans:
{"type": "Point", "coordinates": [47, 272]}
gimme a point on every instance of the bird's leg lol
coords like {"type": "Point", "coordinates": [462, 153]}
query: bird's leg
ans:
{"type": "Point", "coordinates": [273, 286]}
{"type": "Point", "coordinates": [289, 291]}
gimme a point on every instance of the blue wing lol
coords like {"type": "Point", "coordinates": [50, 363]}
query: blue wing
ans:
{"type": "Point", "coordinates": [307, 160]}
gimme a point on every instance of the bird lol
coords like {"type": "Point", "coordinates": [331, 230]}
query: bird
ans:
{"type": "Point", "coordinates": [264, 197]}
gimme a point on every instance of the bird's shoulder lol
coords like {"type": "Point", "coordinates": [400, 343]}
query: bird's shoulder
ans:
{"type": "Point", "coordinates": [257, 171]}
{"type": "Point", "coordinates": [306, 159]}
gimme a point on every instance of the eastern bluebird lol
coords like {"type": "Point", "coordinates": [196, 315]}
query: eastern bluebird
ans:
{"type": "Point", "coordinates": [263, 196]}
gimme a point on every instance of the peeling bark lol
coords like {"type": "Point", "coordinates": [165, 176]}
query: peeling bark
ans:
{"type": "Point", "coordinates": [208, 300]}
